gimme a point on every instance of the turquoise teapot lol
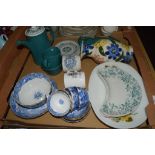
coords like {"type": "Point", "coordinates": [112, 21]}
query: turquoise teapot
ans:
{"type": "Point", "coordinates": [37, 41]}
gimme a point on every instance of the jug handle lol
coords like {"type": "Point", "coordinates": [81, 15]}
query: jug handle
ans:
{"type": "Point", "coordinates": [53, 36]}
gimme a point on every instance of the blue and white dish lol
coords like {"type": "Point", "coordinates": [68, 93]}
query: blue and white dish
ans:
{"type": "Point", "coordinates": [32, 90]}
{"type": "Point", "coordinates": [28, 113]}
{"type": "Point", "coordinates": [68, 47]}
{"type": "Point", "coordinates": [72, 91]}
{"type": "Point", "coordinates": [77, 115]}
{"type": "Point", "coordinates": [59, 103]}
{"type": "Point", "coordinates": [83, 97]}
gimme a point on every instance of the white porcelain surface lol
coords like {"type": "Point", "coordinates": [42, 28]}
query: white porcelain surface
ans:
{"type": "Point", "coordinates": [71, 63]}
{"type": "Point", "coordinates": [74, 79]}
{"type": "Point", "coordinates": [97, 95]}
{"type": "Point", "coordinates": [59, 103]}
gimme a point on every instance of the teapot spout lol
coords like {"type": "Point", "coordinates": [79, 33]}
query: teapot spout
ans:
{"type": "Point", "coordinates": [23, 43]}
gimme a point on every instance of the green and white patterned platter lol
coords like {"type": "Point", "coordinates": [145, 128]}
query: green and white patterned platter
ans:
{"type": "Point", "coordinates": [99, 95]}
{"type": "Point", "coordinates": [124, 92]}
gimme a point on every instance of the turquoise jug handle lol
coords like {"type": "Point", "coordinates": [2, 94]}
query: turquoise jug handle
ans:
{"type": "Point", "coordinates": [53, 36]}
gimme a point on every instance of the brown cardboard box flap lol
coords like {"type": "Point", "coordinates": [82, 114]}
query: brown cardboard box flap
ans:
{"type": "Point", "coordinates": [150, 109]}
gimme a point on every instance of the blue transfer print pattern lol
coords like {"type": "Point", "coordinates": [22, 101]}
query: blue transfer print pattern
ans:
{"type": "Point", "coordinates": [61, 101]}
{"type": "Point", "coordinates": [113, 51]}
{"type": "Point", "coordinates": [29, 77]}
{"type": "Point", "coordinates": [70, 62]}
{"type": "Point", "coordinates": [127, 58]}
{"type": "Point", "coordinates": [74, 95]}
{"type": "Point", "coordinates": [86, 48]}
{"type": "Point", "coordinates": [29, 113]}
{"type": "Point", "coordinates": [38, 95]}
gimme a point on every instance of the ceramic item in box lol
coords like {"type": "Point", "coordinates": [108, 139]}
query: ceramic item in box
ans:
{"type": "Point", "coordinates": [124, 92]}
{"type": "Point", "coordinates": [37, 41]}
{"type": "Point", "coordinates": [68, 47]}
{"type": "Point", "coordinates": [52, 60]}
{"type": "Point", "coordinates": [78, 31]}
{"type": "Point", "coordinates": [74, 79]}
{"type": "Point", "coordinates": [77, 115]}
{"type": "Point", "coordinates": [71, 63]}
{"type": "Point", "coordinates": [79, 97]}
{"type": "Point", "coordinates": [105, 49]}
{"type": "Point", "coordinates": [108, 30]}
{"type": "Point", "coordinates": [73, 93]}
{"type": "Point", "coordinates": [97, 95]}
{"type": "Point", "coordinates": [32, 90]}
{"type": "Point", "coordinates": [83, 97]}
{"type": "Point", "coordinates": [28, 113]}
{"type": "Point", "coordinates": [80, 103]}
{"type": "Point", "coordinates": [59, 103]}
{"type": "Point", "coordinates": [3, 40]}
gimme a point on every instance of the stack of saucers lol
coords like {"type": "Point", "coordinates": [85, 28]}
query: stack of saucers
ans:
{"type": "Point", "coordinates": [78, 31]}
{"type": "Point", "coordinates": [29, 97]}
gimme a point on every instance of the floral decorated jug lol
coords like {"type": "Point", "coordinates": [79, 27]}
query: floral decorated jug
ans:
{"type": "Point", "coordinates": [105, 49]}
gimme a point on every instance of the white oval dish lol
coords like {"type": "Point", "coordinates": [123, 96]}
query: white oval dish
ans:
{"type": "Point", "coordinates": [97, 95]}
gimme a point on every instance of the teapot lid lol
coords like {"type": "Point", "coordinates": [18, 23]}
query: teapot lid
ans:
{"type": "Point", "coordinates": [34, 31]}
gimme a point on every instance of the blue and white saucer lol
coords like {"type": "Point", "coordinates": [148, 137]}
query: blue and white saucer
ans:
{"type": "Point", "coordinates": [29, 112]}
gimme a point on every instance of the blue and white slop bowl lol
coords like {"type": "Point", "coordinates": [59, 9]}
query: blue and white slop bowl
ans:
{"type": "Point", "coordinates": [32, 90]}
{"type": "Point", "coordinates": [59, 103]}
{"type": "Point", "coordinates": [29, 113]}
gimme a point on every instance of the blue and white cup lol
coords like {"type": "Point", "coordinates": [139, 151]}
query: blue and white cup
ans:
{"type": "Point", "coordinates": [71, 63]}
{"type": "Point", "coordinates": [74, 79]}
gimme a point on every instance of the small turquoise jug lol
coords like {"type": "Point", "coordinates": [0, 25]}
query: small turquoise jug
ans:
{"type": "Point", "coordinates": [37, 41]}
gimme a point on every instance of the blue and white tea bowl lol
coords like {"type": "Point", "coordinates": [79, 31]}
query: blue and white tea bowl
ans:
{"type": "Point", "coordinates": [32, 90]}
{"type": "Point", "coordinates": [59, 103]}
